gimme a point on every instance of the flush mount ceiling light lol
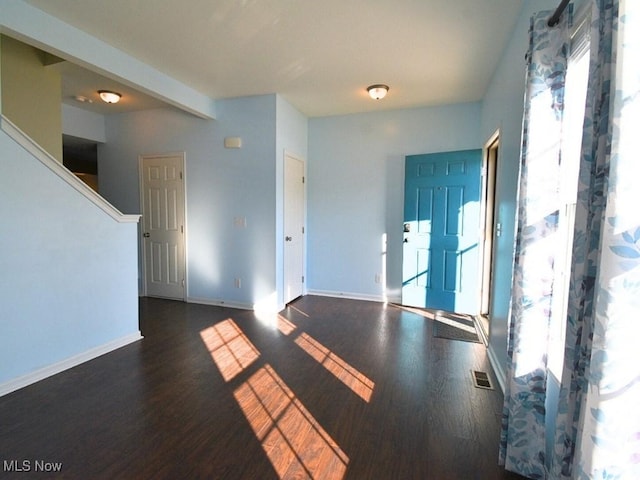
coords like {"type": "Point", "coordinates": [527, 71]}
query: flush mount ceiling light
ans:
{"type": "Point", "coordinates": [109, 97]}
{"type": "Point", "coordinates": [377, 91]}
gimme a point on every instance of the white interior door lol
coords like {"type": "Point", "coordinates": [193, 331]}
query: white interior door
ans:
{"type": "Point", "coordinates": [163, 219]}
{"type": "Point", "coordinates": [293, 228]}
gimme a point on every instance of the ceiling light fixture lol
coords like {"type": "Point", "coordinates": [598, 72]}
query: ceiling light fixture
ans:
{"type": "Point", "coordinates": [377, 91]}
{"type": "Point", "coordinates": [109, 97]}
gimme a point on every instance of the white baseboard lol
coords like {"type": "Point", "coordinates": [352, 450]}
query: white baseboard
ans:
{"type": "Point", "coordinates": [55, 368]}
{"type": "Point", "coordinates": [349, 295]}
{"type": "Point", "coordinates": [498, 371]}
{"type": "Point", "coordinates": [320, 293]}
{"type": "Point", "coordinates": [220, 303]}
{"type": "Point", "coordinates": [483, 336]}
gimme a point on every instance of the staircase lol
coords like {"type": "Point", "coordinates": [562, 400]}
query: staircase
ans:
{"type": "Point", "coordinates": [68, 267]}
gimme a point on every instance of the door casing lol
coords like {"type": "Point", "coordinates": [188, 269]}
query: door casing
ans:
{"type": "Point", "coordinates": [489, 231]}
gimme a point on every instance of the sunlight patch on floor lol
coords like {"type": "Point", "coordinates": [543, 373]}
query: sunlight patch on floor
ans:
{"type": "Point", "coordinates": [442, 317]}
{"type": "Point", "coordinates": [454, 323]}
{"type": "Point", "coordinates": [275, 320]}
{"type": "Point", "coordinates": [285, 326]}
{"type": "Point", "coordinates": [230, 349]}
{"type": "Point", "coordinates": [351, 377]}
{"type": "Point", "coordinates": [417, 311]}
{"type": "Point", "coordinates": [293, 307]}
{"type": "Point", "coordinates": [296, 444]}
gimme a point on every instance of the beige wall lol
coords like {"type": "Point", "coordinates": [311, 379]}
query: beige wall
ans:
{"type": "Point", "coordinates": [31, 94]}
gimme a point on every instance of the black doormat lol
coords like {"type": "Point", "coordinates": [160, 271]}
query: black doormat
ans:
{"type": "Point", "coordinates": [455, 326]}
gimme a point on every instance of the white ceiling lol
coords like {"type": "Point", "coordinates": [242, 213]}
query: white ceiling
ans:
{"type": "Point", "coordinates": [319, 55]}
{"type": "Point", "coordinates": [80, 82]}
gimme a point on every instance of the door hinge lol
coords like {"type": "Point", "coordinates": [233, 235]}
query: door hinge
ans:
{"type": "Point", "coordinates": [302, 179]}
{"type": "Point", "coordinates": [181, 228]}
{"type": "Point", "coordinates": [302, 229]}
{"type": "Point", "coordinates": [180, 175]}
{"type": "Point", "coordinates": [303, 279]}
{"type": "Point", "coordinates": [183, 283]}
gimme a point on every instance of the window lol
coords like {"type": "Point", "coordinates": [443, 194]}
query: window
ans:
{"type": "Point", "coordinates": [572, 125]}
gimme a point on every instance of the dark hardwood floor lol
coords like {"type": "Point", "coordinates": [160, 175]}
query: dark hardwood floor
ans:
{"type": "Point", "coordinates": [329, 389]}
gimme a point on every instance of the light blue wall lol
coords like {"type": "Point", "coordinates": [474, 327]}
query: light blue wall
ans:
{"type": "Point", "coordinates": [221, 184]}
{"type": "Point", "coordinates": [502, 109]}
{"type": "Point", "coordinates": [68, 282]}
{"type": "Point", "coordinates": [356, 188]}
{"type": "Point", "coordinates": [83, 124]}
{"type": "Point", "coordinates": [292, 134]}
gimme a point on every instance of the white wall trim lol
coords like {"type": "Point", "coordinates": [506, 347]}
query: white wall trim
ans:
{"type": "Point", "coordinates": [498, 371]}
{"type": "Point", "coordinates": [220, 303]}
{"type": "Point", "coordinates": [349, 295]}
{"type": "Point", "coordinates": [55, 368]}
{"type": "Point", "coordinates": [62, 172]}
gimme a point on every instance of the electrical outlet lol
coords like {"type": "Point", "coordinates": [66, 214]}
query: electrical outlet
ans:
{"type": "Point", "coordinates": [237, 283]}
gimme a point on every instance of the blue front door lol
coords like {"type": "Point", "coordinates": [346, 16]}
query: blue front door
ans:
{"type": "Point", "coordinates": [441, 231]}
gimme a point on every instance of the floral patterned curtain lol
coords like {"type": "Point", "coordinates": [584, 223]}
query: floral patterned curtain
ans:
{"type": "Point", "coordinates": [523, 443]}
{"type": "Point", "coordinates": [598, 427]}
{"type": "Point", "coordinates": [598, 420]}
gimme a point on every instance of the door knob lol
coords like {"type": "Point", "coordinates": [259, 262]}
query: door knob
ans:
{"type": "Point", "coordinates": [146, 234]}
{"type": "Point", "coordinates": [288, 239]}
